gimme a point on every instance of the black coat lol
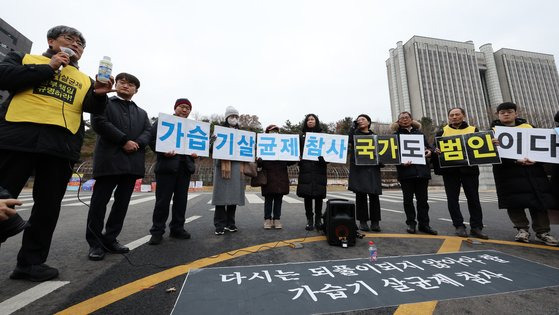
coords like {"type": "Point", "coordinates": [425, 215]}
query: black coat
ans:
{"type": "Point", "coordinates": [277, 178]}
{"type": "Point", "coordinates": [169, 165]}
{"type": "Point", "coordinates": [363, 178]}
{"type": "Point", "coordinates": [122, 121]}
{"type": "Point", "coordinates": [414, 170]}
{"type": "Point", "coordinates": [312, 177]}
{"type": "Point", "coordinates": [454, 171]}
{"type": "Point", "coordinates": [33, 137]}
{"type": "Point", "coordinates": [521, 186]}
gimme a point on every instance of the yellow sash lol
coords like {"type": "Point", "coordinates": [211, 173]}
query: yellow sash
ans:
{"type": "Point", "coordinates": [448, 131]}
{"type": "Point", "coordinates": [57, 101]}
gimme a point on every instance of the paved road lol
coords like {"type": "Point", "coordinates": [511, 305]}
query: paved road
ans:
{"type": "Point", "coordinates": [83, 280]}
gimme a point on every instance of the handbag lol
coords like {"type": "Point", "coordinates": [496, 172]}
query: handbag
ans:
{"type": "Point", "coordinates": [260, 180]}
{"type": "Point", "coordinates": [249, 169]}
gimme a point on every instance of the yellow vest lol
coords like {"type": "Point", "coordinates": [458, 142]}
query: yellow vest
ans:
{"type": "Point", "coordinates": [524, 125]}
{"type": "Point", "coordinates": [57, 101]}
{"type": "Point", "coordinates": [448, 131]}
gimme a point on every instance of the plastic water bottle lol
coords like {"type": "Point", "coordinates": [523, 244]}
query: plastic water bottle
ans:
{"type": "Point", "coordinates": [105, 69]}
{"type": "Point", "coordinates": [372, 251]}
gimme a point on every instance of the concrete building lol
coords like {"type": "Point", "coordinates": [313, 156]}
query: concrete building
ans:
{"type": "Point", "coordinates": [427, 76]}
{"type": "Point", "coordinates": [11, 40]}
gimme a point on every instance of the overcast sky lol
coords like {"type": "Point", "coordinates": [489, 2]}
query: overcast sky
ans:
{"type": "Point", "coordinates": [276, 59]}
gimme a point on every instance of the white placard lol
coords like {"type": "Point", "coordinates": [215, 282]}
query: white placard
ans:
{"type": "Point", "coordinates": [277, 147]}
{"type": "Point", "coordinates": [333, 148]}
{"type": "Point", "coordinates": [412, 149]}
{"type": "Point", "coordinates": [233, 144]}
{"type": "Point", "coordinates": [182, 135]}
{"type": "Point", "coordinates": [536, 144]}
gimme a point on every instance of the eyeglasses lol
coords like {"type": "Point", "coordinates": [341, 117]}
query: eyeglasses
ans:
{"type": "Point", "coordinates": [74, 40]}
{"type": "Point", "coordinates": [183, 106]}
{"type": "Point", "coordinates": [123, 82]}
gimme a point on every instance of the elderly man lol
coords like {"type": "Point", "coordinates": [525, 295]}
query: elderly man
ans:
{"type": "Point", "coordinates": [41, 133]}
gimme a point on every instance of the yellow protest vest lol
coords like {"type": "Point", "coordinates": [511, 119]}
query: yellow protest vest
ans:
{"type": "Point", "coordinates": [57, 101]}
{"type": "Point", "coordinates": [448, 131]}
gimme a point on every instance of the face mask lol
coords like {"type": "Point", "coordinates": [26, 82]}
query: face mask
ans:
{"type": "Point", "coordinates": [232, 121]}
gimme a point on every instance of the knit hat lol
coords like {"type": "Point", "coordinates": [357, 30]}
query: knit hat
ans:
{"type": "Point", "coordinates": [230, 110]}
{"type": "Point", "coordinates": [366, 117]}
{"type": "Point", "coordinates": [271, 127]}
{"type": "Point", "coordinates": [181, 101]}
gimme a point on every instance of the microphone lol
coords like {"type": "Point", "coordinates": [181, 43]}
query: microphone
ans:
{"type": "Point", "coordinates": [67, 51]}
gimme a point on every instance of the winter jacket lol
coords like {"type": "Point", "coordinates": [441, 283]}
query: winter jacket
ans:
{"type": "Point", "coordinates": [363, 178]}
{"type": "Point", "coordinates": [277, 178]}
{"type": "Point", "coordinates": [169, 165]}
{"type": "Point", "coordinates": [455, 171]}
{"type": "Point", "coordinates": [313, 178]}
{"type": "Point", "coordinates": [521, 186]}
{"type": "Point", "coordinates": [414, 170]}
{"type": "Point", "coordinates": [121, 121]}
{"type": "Point", "coordinates": [36, 137]}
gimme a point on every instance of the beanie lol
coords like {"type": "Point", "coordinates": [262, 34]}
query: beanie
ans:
{"type": "Point", "coordinates": [230, 110]}
{"type": "Point", "coordinates": [181, 101]}
{"type": "Point", "coordinates": [271, 127]}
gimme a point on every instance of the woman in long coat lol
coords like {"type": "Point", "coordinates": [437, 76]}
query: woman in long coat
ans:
{"type": "Point", "coordinates": [311, 185]}
{"type": "Point", "coordinates": [277, 185]}
{"type": "Point", "coordinates": [364, 180]}
{"type": "Point", "coordinates": [228, 184]}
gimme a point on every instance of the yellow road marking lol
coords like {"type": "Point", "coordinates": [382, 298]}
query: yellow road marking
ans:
{"type": "Point", "coordinates": [97, 302]}
{"type": "Point", "coordinates": [450, 245]}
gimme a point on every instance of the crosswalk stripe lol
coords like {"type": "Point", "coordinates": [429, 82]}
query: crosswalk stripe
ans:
{"type": "Point", "coordinates": [449, 220]}
{"type": "Point", "coordinates": [29, 296]}
{"type": "Point", "coordinates": [137, 243]}
{"type": "Point", "coordinates": [192, 218]}
{"type": "Point", "coordinates": [390, 210]}
{"type": "Point", "coordinates": [253, 198]}
{"type": "Point", "coordinates": [140, 200]}
{"type": "Point", "coordinates": [192, 196]}
{"type": "Point", "coordinates": [291, 200]}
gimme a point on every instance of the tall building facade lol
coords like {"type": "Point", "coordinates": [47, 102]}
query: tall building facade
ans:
{"type": "Point", "coordinates": [428, 76]}
{"type": "Point", "coordinates": [11, 40]}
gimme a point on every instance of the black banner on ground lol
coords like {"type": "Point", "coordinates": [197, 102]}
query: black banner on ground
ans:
{"type": "Point", "coordinates": [357, 284]}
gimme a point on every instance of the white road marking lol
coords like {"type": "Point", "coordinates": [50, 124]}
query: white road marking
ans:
{"type": "Point", "coordinates": [449, 220]}
{"type": "Point", "coordinates": [140, 200]}
{"type": "Point", "coordinates": [390, 210]}
{"type": "Point", "coordinates": [29, 296]}
{"type": "Point", "coordinates": [291, 200]}
{"type": "Point", "coordinates": [139, 242]}
{"type": "Point", "coordinates": [211, 209]}
{"type": "Point", "coordinates": [253, 198]}
{"type": "Point", "coordinates": [192, 218]}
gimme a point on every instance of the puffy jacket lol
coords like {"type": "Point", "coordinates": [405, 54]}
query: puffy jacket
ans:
{"type": "Point", "coordinates": [521, 186]}
{"type": "Point", "coordinates": [33, 137]}
{"type": "Point", "coordinates": [277, 178]}
{"type": "Point", "coordinates": [121, 121]}
{"type": "Point", "coordinates": [312, 177]}
{"type": "Point", "coordinates": [363, 178]}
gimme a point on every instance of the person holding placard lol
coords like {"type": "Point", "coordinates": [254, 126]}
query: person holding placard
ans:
{"type": "Point", "coordinates": [228, 184]}
{"type": "Point", "coordinates": [523, 184]}
{"type": "Point", "coordinates": [172, 175]}
{"type": "Point", "coordinates": [466, 177]}
{"type": "Point", "coordinates": [414, 179]}
{"type": "Point", "coordinates": [277, 185]}
{"type": "Point", "coordinates": [364, 180]}
{"type": "Point", "coordinates": [312, 181]}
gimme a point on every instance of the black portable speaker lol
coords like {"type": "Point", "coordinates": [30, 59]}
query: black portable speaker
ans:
{"type": "Point", "coordinates": [339, 222]}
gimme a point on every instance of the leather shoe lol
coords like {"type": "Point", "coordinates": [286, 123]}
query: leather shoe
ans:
{"type": "Point", "coordinates": [476, 232]}
{"type": "Point", "coordinates": [180, 234]}
{"type": "Point", "coordinates": [411, 229]}
{"type": "Point", "coordinates": [363, 226]}
{"type": "Point", "coordinates": [96, 253]}
{"type": "Point", "coordinates": [155, 239]}
{"type": "Point", "coordinates": [117, 248]}
{"type": "Point", "coordinates": [461, 231]}
{"type": "Point", "coordinates": [427, 230]}
{"type": "Point", "coordinates": [37, 273]}
{"type": "Point", "coordinates": [375, 227]}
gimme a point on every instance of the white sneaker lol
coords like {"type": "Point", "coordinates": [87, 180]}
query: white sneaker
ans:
{"type": "Point", "coordinates": [548, 239]}
{"type": "Point", "coordinates": [522, 236]}
{"type": "Point", "coordinates": [277, 224]}
{"type": "Point", "coordinates": [267, 224]}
